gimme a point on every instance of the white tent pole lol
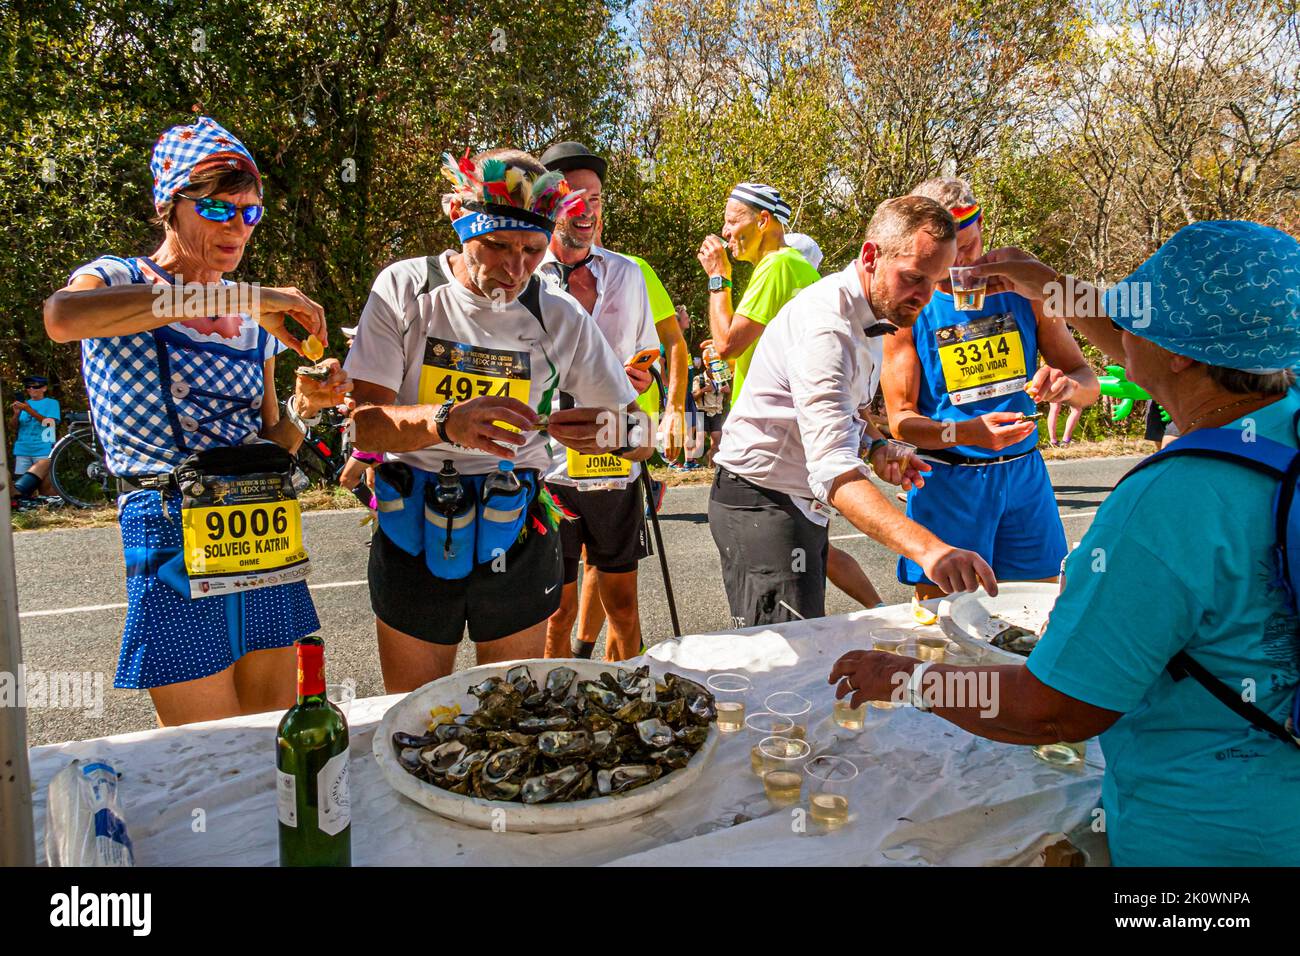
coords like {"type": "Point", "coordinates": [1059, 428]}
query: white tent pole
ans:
{"type": "Point", "coordinates": [17, 846]}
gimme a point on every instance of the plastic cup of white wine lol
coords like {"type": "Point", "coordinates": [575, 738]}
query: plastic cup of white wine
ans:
{"type": "Point", "coordinates": [1063, 753]}
{"type": "Point", "coordinates": [968, 289]}
{"type": "Point", "coordinates": [765, 724]}
{"type": "Point", "coordinates": [830, 782]}
{"type": "Point", "coordinates": [898, 451]}
{"type": "Point", "coordinates": [932, 649]}
{"type": "Point", "coordinates": [782, 767]}
{"type": "Point", "coordinates": [891, 640]}
{"type": "Point", "coordinates": [849, 717]}
{"type": "Point", "coordinates": [730, 691]}
{"type": "Point", "coordinates": [342, 695]}
{"type": "Point", "coordinates": [796, 707]}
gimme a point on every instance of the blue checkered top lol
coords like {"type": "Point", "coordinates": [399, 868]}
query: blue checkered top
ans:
{"type": "Point", "coordinates": [157, 397]}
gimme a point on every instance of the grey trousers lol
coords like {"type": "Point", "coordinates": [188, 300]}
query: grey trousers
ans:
{"type": "Point", "coordinates": [771, 553]}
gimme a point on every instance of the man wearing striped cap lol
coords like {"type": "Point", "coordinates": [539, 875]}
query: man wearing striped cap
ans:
{"type": "Point", "coordinates": [753, 230]}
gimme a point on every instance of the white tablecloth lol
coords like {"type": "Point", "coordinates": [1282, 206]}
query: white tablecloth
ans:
{"type": "Point", "coordinates": [927, 792]}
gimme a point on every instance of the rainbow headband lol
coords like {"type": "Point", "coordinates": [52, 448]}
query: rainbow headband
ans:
{"type": "Point", "coordinates": [498, 197]}
{"type": "Point", "coordinates": [966, 215]}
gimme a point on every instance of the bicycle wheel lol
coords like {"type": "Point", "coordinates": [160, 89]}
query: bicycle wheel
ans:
{"type": "Point", "coordinates": [78, 473]}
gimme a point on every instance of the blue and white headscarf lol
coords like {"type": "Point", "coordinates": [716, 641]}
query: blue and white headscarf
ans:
{"type": "Point", "coordinates": [1224, 293]}
{"type": "Point", "coordinates": [490, 217]}
{"type": "Point", "coordinates": [183, 150]}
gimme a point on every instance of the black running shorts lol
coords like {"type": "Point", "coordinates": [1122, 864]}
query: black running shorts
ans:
{"type": "Point", "coordinates": [771, 553]}
{"type": "Point", "coordinates": [610, 524]}
{"type": "Point", "coordinates": [492, 603]}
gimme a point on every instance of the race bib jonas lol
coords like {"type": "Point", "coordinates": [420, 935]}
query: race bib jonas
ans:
{"type": "Point", "coordinates": [597, 466]}
{"type": "Point", "coordinates": [982, 358]}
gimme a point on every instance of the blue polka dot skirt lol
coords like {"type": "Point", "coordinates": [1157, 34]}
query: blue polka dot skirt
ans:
{"type": "Point", "coordinates": [170, 638]}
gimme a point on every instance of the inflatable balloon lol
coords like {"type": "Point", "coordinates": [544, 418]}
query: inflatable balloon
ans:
{"type": "Point", "coordinates": [1115, 384]}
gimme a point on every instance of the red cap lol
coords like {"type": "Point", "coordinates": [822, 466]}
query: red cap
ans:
{"type": "Point", "coordinates": [311, 667]}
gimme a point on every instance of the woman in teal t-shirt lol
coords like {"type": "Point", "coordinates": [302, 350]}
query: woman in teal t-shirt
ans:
{"type": "Point", "coordinates": [1179, 559]}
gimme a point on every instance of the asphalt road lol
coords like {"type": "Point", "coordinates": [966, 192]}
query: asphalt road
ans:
{"type": "Point", "coordinates": [72, 597]}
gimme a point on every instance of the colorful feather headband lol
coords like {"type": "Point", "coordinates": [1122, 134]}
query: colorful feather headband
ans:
{"type": "Point", "coordinates": [499, 196]}
{"type": "Point", "coordinates": [966, 215]}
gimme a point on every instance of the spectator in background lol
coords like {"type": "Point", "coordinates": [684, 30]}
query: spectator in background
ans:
{"type": "Point", "coordinates": [806, 246]}
{"type": "Point", "coordinates": [34, 424]}
{"type": "Point", "coordinates": [1071, 420]}
{"type": "Point", "coordinates": [1158, 430]}
{"type": "Point", "coordinates": [753, 231]}
{"type": "Point", "coordinates": [711, 397]}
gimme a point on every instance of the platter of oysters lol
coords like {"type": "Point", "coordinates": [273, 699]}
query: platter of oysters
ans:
{"type": "Point", "coordinates": [547, 745]}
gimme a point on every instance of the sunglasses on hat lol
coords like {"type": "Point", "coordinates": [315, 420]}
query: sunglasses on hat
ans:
{"type": "Point", "coordinates": [219, 210]}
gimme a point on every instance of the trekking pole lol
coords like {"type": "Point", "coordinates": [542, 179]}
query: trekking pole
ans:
{"type": "Point", "coordinates": [654, 524]}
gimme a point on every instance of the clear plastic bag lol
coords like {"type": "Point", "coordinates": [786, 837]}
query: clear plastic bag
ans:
{"type": "Point", "coordinates": [83, 820]}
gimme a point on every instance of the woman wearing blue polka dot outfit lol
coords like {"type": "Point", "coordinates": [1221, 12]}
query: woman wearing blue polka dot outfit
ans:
{"type": "Point", "coordinates": [164, 386]}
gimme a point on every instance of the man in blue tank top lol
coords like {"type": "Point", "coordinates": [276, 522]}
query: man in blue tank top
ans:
{"type": "Point", "coordinates": [961, 385]}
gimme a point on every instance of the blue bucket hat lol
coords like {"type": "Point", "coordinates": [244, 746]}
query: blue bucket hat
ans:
{"type": "Point", "coordinates": [1223, 293]}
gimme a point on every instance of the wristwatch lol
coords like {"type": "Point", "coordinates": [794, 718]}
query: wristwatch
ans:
{"type": "Point", "coordinates": [440, 422]}
{"type": "Point", "coordinates": [718, 283]}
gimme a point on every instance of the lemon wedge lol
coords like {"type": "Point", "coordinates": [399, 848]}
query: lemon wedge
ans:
{"type": "Point", "coordinates": [922, 614]}
{"type": "Point", "coordinates": [443, 715]}
{"type": "Point", "coordinates": [313, 348]}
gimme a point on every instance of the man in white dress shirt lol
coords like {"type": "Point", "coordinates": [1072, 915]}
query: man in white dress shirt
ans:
{"type": "Point", "coordinates": [793, 443]}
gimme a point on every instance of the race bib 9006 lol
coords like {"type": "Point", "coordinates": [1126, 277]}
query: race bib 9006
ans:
{"type": "Point", "coordinates": [241, 533]}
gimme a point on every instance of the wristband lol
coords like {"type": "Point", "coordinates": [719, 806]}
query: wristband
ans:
{"type": "Point", "coordinates": [876, 443]}
{"type": "Point", "coordinates": [304, 425]}
{"type": "Point", "coordinates": [914, 687]}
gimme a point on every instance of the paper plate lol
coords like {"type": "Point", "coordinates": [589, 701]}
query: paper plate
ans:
{"type": "Point", "coordinates": [411, 714]}
{"type": "Point", "coordinates": [974, 618]}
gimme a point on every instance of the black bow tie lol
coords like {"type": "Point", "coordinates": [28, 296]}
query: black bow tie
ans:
{"type": "Point", "coordinates": [880, 328]}
{"type": "Point", "coordinates": [567, 271]}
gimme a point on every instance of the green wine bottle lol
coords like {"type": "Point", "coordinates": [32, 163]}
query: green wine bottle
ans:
{"type": "Point", "coordinates": [312, 771]}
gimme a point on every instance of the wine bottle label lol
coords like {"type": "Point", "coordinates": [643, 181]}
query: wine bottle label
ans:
{"type": "Point", "coordinates": [334, 810]}
{"type": "Point", "coordinates": [286, 798]}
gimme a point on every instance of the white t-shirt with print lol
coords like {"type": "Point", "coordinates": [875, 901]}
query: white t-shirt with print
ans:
{"type": "Point", "coordinates": [622, 313]}
{"type": "Point", "coordinates": [451, 343]}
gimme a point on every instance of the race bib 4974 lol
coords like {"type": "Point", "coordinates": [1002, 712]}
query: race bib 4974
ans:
{"type": "Point", "coordinates": [456, 371]}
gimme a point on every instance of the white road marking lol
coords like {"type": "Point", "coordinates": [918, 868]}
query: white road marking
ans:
{"type": "Point", "coordinates": [89, 608]}
{"type": "Point", "coordinates": [1065, 515]}
{"type": "Point", "coordinates": [73, 610]}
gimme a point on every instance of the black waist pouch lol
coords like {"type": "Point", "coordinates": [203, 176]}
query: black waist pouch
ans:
{"type": "Point", "coordinates": [255, 459]}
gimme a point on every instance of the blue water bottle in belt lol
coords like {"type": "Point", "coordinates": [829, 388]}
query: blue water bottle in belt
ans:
{"type": "Point", "coordinates": [501, 517]}
{"type": "Point", "coordinates": [448, 525]}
